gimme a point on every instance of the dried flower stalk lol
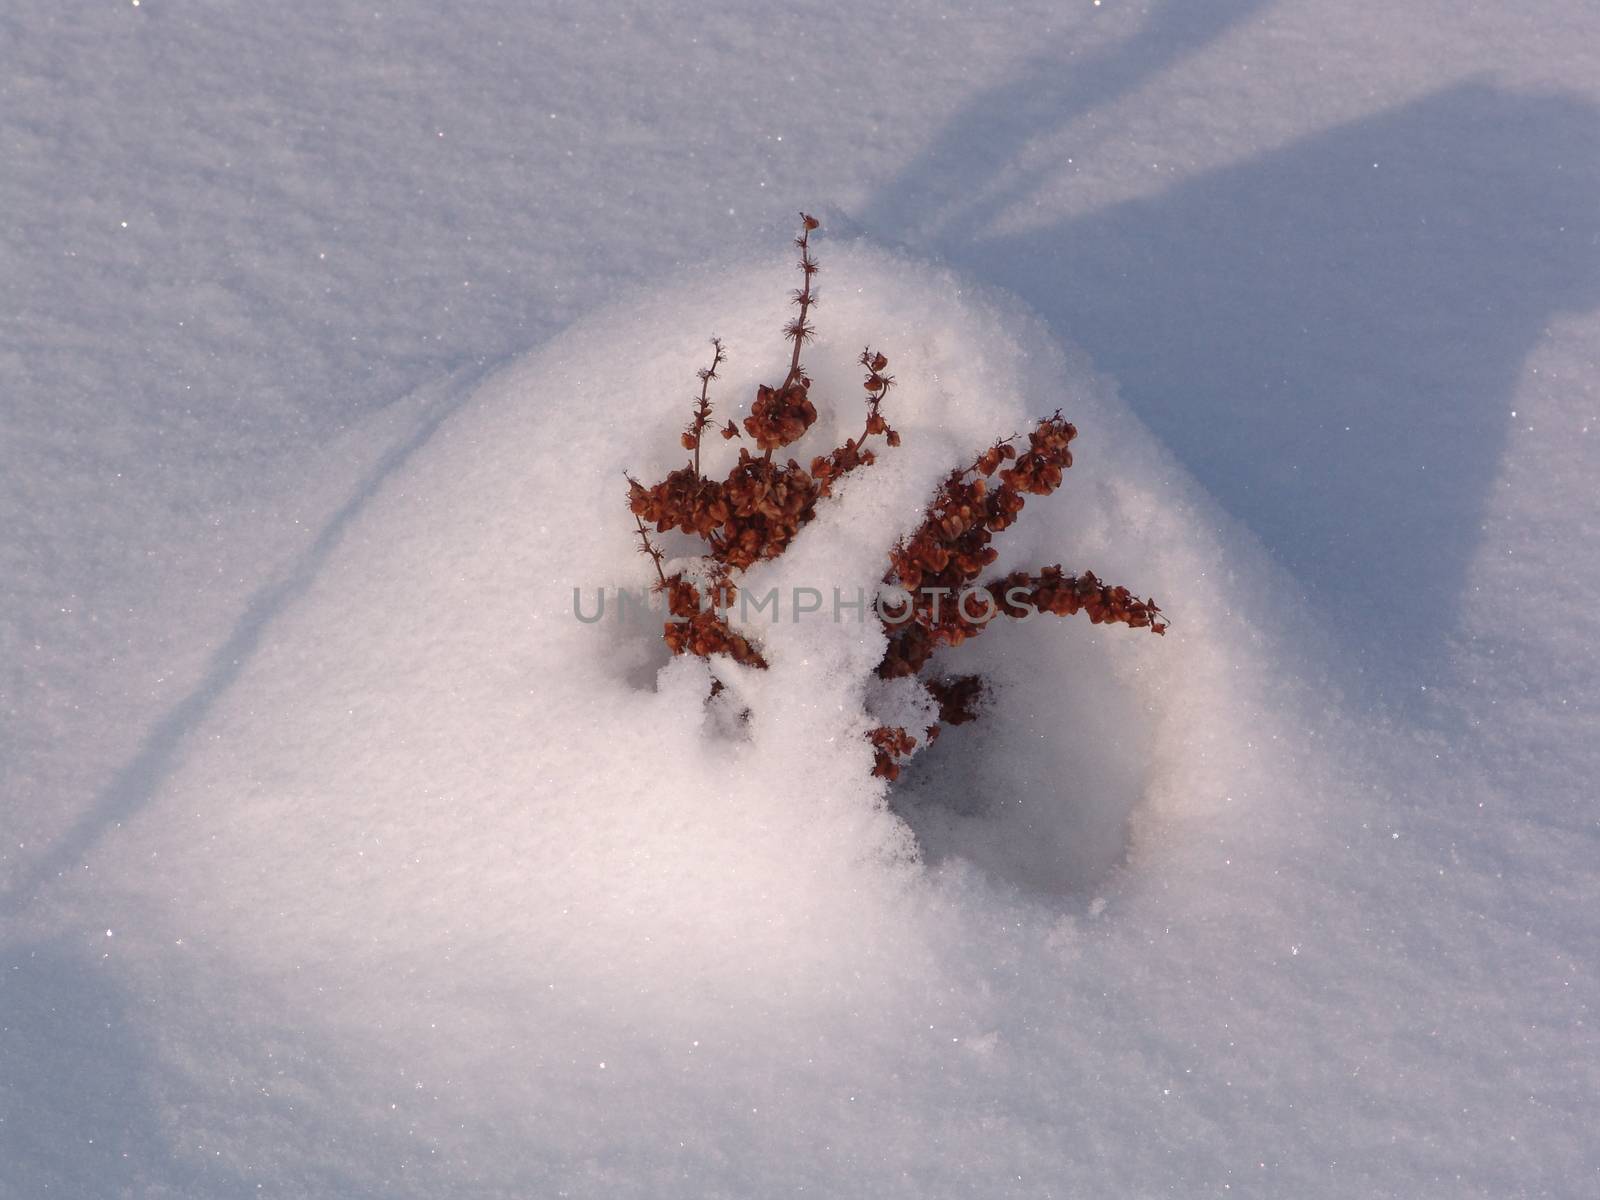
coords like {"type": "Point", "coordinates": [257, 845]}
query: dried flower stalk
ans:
{"type": "Point", "coordinates": [755, 512]}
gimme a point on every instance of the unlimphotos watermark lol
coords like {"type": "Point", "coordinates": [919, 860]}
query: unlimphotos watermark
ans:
{"type": "Point", "coordinates": [891, 605]}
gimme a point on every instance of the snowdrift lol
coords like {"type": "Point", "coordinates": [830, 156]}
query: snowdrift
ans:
{"type": "Point", "coordinates": [454, 893]}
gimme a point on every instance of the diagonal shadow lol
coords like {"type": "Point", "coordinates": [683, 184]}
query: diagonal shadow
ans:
{"type": "Point", "coordinates": [1330, 337]}
{"type": "Point", "coordinates": [968, 175]}
{"type": "Point", "coordinates": [139, 780]}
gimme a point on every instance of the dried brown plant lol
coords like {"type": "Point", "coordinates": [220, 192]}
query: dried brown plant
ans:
{"type": "Point", "coordinates": [754, 513]}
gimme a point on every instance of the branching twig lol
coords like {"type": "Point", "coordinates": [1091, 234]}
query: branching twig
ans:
{"type": "Point", "coordinates": [702, 410]}
{"type": "Point", "coordinates": [798, 330]}
{"type": "Point", "coordinates": [646, 546]}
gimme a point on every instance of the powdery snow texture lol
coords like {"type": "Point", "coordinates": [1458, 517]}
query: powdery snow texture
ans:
{"type": "Point", "coordinates": [452, 893]}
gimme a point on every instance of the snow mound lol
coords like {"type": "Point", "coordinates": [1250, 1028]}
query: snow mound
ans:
{"type": "Point", "coordinates": [512, 905]}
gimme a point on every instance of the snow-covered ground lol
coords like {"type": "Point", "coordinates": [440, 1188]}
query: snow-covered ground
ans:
{"type": "Point", "coordinates": [336, 859]}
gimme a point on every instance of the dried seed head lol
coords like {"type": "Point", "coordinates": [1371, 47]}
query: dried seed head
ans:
{"type": "Point", "coordinates": [757, 510]}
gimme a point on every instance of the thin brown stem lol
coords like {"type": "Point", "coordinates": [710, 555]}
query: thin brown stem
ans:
{"type": "Point", "coordinates": [803, 298]}
{"type": "Point", "coordinates": [702, 412]}
{"type": "Point", "coordinates": [648, 547]}
{"type": "Point", "coordinates": [872, 410]}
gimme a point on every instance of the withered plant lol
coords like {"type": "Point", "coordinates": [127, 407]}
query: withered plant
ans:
{"type": "Point", "coordinates": [754, 513]}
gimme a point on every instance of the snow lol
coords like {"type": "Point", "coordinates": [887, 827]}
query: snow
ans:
{"type": "Point", "coordinates": [338, 858]}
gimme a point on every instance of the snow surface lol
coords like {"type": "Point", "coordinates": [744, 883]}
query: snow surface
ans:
{"type": "Point", "coordinates": [337, 859]}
